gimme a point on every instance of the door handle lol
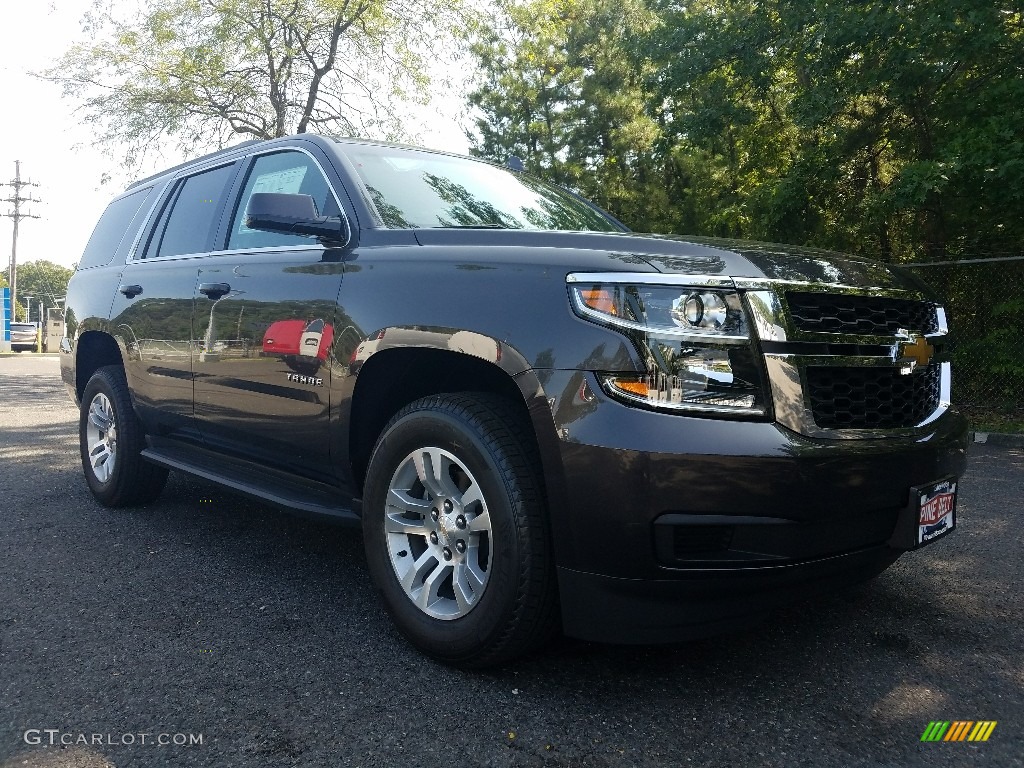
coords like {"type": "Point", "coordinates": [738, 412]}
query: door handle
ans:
{"type": "Point", "coordinates": [131, 291]}
{"type": "Point", "coordinates": [214, 290]}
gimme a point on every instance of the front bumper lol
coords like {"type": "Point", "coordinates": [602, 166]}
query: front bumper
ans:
{"type": "Point", "coordinates": [674, 527]}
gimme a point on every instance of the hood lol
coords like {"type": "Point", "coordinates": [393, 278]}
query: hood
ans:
{"type": "Point", "coordinates": [680, 255]}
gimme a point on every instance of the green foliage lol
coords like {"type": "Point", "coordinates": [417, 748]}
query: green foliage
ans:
{"type": "Point", "coordinates": [875, 127]}
{"type": "Point", "coordinates": [994, 359]}
{"type": "Point", "coordinates": [43, 281]}
{"type": "Point", "coordinates": [199, 71]}
{"type": "Point", "coordinates": [557, 89]}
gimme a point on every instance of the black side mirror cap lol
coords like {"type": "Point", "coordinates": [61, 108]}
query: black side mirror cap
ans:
{"type": "Point", "coordinates": [294, 215]}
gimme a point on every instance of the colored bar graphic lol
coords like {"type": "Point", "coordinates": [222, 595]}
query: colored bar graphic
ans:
{"type": "Point", "coordinates": [958, 730]}
{"type": "Point", "coordinates": [982, 730]}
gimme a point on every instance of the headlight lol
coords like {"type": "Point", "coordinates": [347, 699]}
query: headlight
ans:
{"type": "Point", "coordinates": [694, 339]}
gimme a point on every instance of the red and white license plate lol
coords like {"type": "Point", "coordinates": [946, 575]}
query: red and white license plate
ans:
{"type": "Point", "coordinates": [936, 511]}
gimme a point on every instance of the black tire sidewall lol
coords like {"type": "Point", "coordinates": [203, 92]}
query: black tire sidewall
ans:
{"type": "Point", "coordinates": [463, 637]}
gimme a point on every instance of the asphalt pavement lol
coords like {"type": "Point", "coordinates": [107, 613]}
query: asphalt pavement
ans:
{"type": "Point", "coordinates": [207, 617]}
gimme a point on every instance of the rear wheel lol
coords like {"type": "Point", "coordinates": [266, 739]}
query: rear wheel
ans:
{"type": "Point", "coordinates": [455, 533]}
{"type": "Point", "coordinates": [111, 440]}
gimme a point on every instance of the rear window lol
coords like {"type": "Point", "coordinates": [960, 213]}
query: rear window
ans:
{"type": "Point", "coordinates": [193, 213]}
{"type": "Point", "coordinates": [118, 224]}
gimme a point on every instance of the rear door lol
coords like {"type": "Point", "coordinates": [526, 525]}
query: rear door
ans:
{"type": "Point", "coordinates": [265, 327]}
{"type": "Point", "coordinates": [152, 310]}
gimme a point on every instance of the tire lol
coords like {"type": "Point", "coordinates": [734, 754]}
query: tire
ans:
{"type": "Point", "coordinates": [483, 591]}
{"type": "Point", "coordinates": [114, 469]}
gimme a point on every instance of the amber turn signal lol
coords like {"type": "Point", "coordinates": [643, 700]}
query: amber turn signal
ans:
{"type": "Point", "coordinates": [600, 300]}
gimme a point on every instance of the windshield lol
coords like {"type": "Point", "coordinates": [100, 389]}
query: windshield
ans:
{"type": "Point", "coordinates": [413, 189]}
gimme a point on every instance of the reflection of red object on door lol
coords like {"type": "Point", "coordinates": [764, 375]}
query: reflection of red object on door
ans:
{"type": "Point", "coordinates": [299, 338]}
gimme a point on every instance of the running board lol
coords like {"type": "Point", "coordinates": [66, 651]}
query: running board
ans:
{"type": "Point", "coordinates": [260, 482]}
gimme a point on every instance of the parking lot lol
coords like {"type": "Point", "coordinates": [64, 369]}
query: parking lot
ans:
{"type": "Point", "coordinates": [207, 614]}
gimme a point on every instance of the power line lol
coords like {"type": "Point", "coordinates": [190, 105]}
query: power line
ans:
{"type": "Point", "coordinates": [16, 199]}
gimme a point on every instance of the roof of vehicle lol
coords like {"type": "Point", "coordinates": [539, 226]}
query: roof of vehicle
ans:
{"type": "Point", "coordinates": [194, 161]}
{"type": "Point", "coordinates": [254, 142]}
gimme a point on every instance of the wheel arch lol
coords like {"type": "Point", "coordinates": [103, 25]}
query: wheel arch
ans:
{"type": "Point", "coordinates": [93, 350]}
{"type": "Point", "coordinates": [398, 372]}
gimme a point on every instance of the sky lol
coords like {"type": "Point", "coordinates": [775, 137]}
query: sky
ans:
{"type": "Point", "coordinates": [40, 128]}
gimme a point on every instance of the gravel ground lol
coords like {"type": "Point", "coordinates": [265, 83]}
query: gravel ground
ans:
{"type": "Point", "coordinates": [209, 614]}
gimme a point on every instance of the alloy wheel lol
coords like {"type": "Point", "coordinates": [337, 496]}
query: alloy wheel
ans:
{"type": "Point", "coordinates": [438, 533]}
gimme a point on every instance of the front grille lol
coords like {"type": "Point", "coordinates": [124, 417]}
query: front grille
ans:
{"type": "Point", "coordinates": [860, 315]}
{"type": "Point", "coordinates": [872, 398]}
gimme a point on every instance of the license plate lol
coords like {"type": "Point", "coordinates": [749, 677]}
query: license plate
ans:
{"type": "Point", "coordinates": [936, 510]}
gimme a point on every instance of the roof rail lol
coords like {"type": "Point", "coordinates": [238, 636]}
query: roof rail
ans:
{"type": "Point", "coordinates": [179, 166]}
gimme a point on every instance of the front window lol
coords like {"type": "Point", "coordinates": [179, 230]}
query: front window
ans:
{"type": "Point", "coordinates": [289, 173]}
{"type": "Point", "coordinates": [413, 189]}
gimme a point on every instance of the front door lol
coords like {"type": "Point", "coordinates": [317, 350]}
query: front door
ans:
{"type": "Point", "coordinates": [264, 319]}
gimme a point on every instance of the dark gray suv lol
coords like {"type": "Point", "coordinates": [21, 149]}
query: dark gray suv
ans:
{"type": "Point", "coordinates": [541, 420]}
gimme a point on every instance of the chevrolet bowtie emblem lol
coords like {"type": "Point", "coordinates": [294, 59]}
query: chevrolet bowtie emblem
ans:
{"type": "Point", "coordinates": [913, 352]}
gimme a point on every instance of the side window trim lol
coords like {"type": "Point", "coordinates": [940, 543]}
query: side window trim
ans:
{"type": "Point", "coordinates": [131, 254]}
{"type": "Point", "coordinates": [165, 218]}
{"type": "Point", "coordinates": [227, 218]}
{"type": "Point", "coordinates": [161, 208]}
{"type": "Point", "coordinates": [164, 205]}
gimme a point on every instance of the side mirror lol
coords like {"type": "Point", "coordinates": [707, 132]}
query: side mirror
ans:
{"type": "Point", "coordinates": [294, 215]}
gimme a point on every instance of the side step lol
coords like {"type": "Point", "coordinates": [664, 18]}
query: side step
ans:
{"type": "Point", "coordinates": [258, 481]}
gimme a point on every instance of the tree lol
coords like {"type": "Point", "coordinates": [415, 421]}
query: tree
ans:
{"type": "Point", "coordinates": [889, 129]}
{"type": "Point", "coordinates": [42, 280]}
{"type": "Point", "coordinates": [199, 72]}
{"type": "Point", "coordinates": [893, 129]}
{"type": "Point", "coordinates": [557, 89]}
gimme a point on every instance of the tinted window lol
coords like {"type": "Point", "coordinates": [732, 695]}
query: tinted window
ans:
{"type": "Point", "coordinates": [412, 188]}
{"type": "Point", "coordinates": [118, 224]}
{"type": "Point", "coordinates": [289, 173]}
{"type": "Point", "coordinates": [194, 207]}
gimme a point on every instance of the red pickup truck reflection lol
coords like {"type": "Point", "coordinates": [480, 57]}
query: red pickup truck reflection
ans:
{"type": "Point", "coordinates": [299, 341]}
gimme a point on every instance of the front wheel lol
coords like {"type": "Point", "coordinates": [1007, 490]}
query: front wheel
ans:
{"type": "Point", "coordinates": [456, 538]}
{"type": "Point", "coordinates": [111, 439]}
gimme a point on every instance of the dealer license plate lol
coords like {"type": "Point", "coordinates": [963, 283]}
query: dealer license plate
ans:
{"type": "Point", "coordinates": [936, 512]}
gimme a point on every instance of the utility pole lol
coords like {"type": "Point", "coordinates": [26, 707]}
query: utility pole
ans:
{"type": "Point", "coordinates": [16, 199]}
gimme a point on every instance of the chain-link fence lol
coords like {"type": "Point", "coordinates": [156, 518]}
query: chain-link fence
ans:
{"type": "Point", "coordinates": [984, 300]}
